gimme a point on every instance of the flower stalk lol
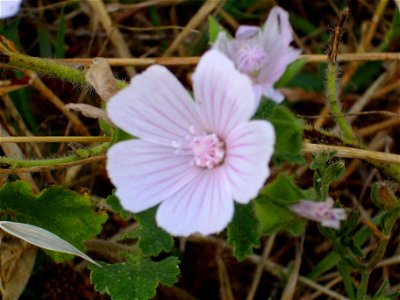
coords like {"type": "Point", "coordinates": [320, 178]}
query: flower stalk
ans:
{"type": "Point", "coordinates": [49, 67]}
{"type": "Point", "coordinates": [332, 86]}
{"type": "Point", "coordinates": [79, 155]}
{"type": "Point", "coordinates": [333, 101]}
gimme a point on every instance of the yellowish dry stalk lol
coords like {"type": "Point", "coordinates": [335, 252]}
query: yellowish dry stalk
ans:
{"type": "Point", "coordinates": [348, 152]}
{"type": "Point", "coordinates": [345, 152]}
{"type": "Point", "coordinates": [260, 267]}
{"type": "Point", "coordinates": [116, 37]}
{"type": "Point", "coordinates": [193, 60]}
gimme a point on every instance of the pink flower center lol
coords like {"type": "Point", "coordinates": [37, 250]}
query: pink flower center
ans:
{"type": "Point", "coordinates": [208, 150]}
{"type": "Point", "coordinates": [250, 58]}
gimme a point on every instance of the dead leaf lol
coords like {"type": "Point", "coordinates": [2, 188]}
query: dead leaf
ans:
{"type": "Point", "coordinates": [16, 263]}
{"type": "Point", "coordinates": [102, 79]}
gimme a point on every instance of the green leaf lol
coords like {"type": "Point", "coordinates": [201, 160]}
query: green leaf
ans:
{"type": "Point", "coordinates": [274, 217]}
{"type": "Point", "coordinates": [136, 279]}
{"type": "Point", "coordinates": [289, 136]}
{"type": "Point", "coordinates": [291, 71]}
{"type": "Point", "coordinates": [283, 191]}
{"type": "Point", "coordinates": [60, 44]}
{"type": "Point", "coordinates": [326, 172]}
{"type": "Point", "coordinates": [320, 160]}
{"type": "Point", "coordinates": [265, 109]}
{"type": "Point", "coordinates": [214, 28]}
{"type": "Point", "coordinates": [45, 48]}
{"type": "Point", "coordinates": [333, 172]}
{"type": "Point", "coordinates": [58, 210]}
{"type": "Point", "coordinates": [115, 206]}
{"type": "Point", "coordinates": [243, 231]}
{"type": "Point", "coordinates": [272, 206]}
{"type": "Point", "coordinates": [333, 258]}
{"type": "Point", "coordinates": [151, 239]}
{"type": "Point", "coordinates": [381, 290]}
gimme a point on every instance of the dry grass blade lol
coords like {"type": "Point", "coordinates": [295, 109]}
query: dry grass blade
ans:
{"type": "Point", "coordinates": [115, 35]}
{"type": "Point", "coordinates": [196, 20]}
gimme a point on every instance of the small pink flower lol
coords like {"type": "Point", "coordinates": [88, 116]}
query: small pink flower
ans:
{"type": "Point", "coordinates": [9, 8]}
{"type": "Point", "coordinates": [262, 54]}
{"type": "Point", "coordinates": [192, 157]}
{"type": "Point", "coordinates": [320, 212]}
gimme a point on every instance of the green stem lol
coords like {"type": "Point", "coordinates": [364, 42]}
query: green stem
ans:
{"type": "Point", "coordinates": [333, 102]}
{"type": "Point", "coordinates": [47, 67]}
{"type": "Point", "coordinates": [379, 253]}
{"type": "Point", "coordinates": [80, 154]}
{"type": "Point", "coordinates": [363, 289]}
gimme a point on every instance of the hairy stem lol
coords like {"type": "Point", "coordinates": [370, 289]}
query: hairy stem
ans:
{"type": "Point", "coordinates": [47, 67]}
{"type": "Point", "coordinates": [333, 101]}
{"type": "Point", "coordinates": [79, 154]}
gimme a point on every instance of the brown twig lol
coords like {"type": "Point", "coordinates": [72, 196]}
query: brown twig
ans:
{"type": "Point", "coordinates": [260, 267]}
{"type": "Point", "coordinates": [334, 44]}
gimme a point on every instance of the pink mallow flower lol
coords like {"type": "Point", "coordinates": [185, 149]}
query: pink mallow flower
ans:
{"type": "Point", "coordinates": [322, 212]}
{"type": "Point", "coordinates": [262, 54]}
{"type": "Point", "coordinates": [194, 158]}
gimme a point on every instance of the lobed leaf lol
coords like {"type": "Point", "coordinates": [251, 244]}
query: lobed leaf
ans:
{"type": "Point", "coordinates": [137, 278]}
{"type": "Point", "coordinates": [151, 239]}
{"type": "Point", "coordinates": [243, 231]}
{"type": "Point", "coordinates": [289, 136]}
{"type": "Point", "coordinates": [58, 210]}
{"type": "Point", "coordinates": [272, 208]}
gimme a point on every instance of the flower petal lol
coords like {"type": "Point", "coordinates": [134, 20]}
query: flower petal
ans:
{"type": "Point", "coordinates": [224, 96]}
{"type": "Point", "coordinates": [155, 107]}
{"type": "Point", "coordinates": [145, 174]}
{"type": "Point", "coordinates": [203, 206]}
{"type": "Point", "coordinates": [249, 149]}
{"type": "Point", "coordinates": [277, 27]}
{"type": "Point", "coordinates": [273, 94]}
{"type": "Point", "coordinates": [246, 32]}
{"type": "Point", "coordinates": [9, 8]}
{"type": "Point", "coordinates": [278, 59]}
